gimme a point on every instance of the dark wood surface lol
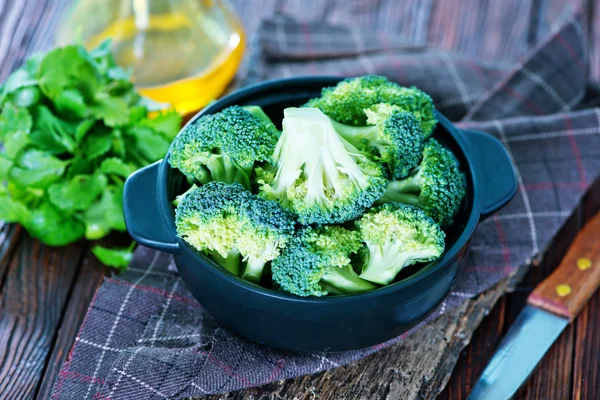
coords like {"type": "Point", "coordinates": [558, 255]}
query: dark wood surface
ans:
{"type": "Point", "coordinates": [44, 293]}
{"type": "Point", "coordinates": [571, 368]}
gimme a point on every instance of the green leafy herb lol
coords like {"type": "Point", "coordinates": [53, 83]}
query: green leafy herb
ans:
{"type": "Point", "coordinates": [117, 258]}
{"type": "Point", "coordinates": [73, 128]}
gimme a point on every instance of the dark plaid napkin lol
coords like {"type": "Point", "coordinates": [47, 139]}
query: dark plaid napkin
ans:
{"type": "Point", "coordinates": [144, 335]}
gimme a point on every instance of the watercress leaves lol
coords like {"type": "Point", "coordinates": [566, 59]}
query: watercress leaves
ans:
{"type": "Point", "coordinates": [73, 129]}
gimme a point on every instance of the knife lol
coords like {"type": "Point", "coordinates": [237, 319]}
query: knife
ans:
{"type": "Point", "coordinates": [551, 306]}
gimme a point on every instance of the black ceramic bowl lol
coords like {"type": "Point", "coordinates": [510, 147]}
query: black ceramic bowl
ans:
{"type": "Point", "coordinates": [333, 323]}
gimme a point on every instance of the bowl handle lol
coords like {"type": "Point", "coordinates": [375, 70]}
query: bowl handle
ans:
{"type": "Point", "coordinates": [143, 216]}
{"type": "Point", "coordinates": [495, 172]}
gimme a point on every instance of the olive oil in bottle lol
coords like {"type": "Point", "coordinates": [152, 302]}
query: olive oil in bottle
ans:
{"type": "Point", "coordinates": [181, 52]}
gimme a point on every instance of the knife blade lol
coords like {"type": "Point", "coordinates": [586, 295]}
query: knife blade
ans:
{"type": "Point", "coordinates": [552, 305]}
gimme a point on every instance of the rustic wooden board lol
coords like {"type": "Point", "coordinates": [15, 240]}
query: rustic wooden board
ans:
{"type": "Point", "coordinates": [36, 289]}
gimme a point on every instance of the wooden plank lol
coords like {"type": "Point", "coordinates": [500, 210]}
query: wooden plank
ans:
{"type": "Point", "coordinates": [36, 287]}
{"type": "Point", "coordinates": [478, 353]}
{"type": "Point", "coordinates": [88, 279]}
{"type": "Point", "coordinates": [9, 236]}
{"type": "Point", "coordinates": [482, 347]}
{"type": "Point", "coordinates": [586, 373]}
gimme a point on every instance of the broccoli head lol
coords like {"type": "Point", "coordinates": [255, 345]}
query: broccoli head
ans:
{"type": "Point", "coordinates": [437, 186]}
{"type": "Point", "coordinates": [397, 235]}
{"type": "Point", "coordinates": [319, 176]}
{"type": "Point", "coordinates": [317, 262]}
{"type": "Point", "coordinates": [224, 146]}
{"type": "Point", "coordinates": [233, 226]}
{"type": "Point", "coordinates": [393, 138]}
{"type": "Point", "coordinates": [347, 101]}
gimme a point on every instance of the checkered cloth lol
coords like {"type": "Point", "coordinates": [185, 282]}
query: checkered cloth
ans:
{"type": "Point", "coordinates": [144, 335]}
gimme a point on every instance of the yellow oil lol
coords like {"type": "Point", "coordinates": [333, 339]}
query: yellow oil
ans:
{"type": "Point", "coordinates": [185, 58]}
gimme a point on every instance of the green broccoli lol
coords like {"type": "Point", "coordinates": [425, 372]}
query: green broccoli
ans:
{"type": "Point", "coordinates": [317, 262]}
{"type": "Point", "coordinates": [320, 176]}
{"type": "Point", "coordinates": [437, 186]}
{"type": "Point", "coordinates": [233, 226]}
{"type": "Point", "coordinates": [224, 146]}
{"type": "Point", "coordinates": [393, 138]}
{"type": "Point", "coordinates": [257, 111]}
{"type": "Point", "coordinates": [347, 101]}
{"type": "Point", "coordinates": [397, 235]}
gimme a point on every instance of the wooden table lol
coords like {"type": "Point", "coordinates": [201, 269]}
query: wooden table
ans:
{"type": "Point", "coordinates": [44, 294]}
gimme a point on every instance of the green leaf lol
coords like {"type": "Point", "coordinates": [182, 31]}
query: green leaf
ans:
{"type": "Point", "coordinates": [117, 258]}
{"type": "Point", "coordinates": [14, 119]}
{"type": "Point", "coordinates": [51, 133]}
{"type": "Point", "coordinates": [68, 68]}
{"type": "Point", "coordinates": [71, 103]}
{"type": "Point", "coordinates": [78, 193]}
{"type": "Point", "coordinates": [137, 114]}
{"type": "Point", "coordinates": [167, 124]}
{"type": "Point", "coordinates": [83, 128]}
{"type": "Point", "coordinates": [14, 143]}
{"type": "Point", "coordinates": [5, 165]}
{"type": "Point", "coordinates": [54, 228]}
{"type": "Point", "coordinates": [102, 50]}
{"type": "Point", "coordinates": [19, 79]}
{"type": "Point", "coordinates": [150, 144]}
{"type": "Point", "coordinates": [80, 166]}
{"type": "Point", "coordinates": [116, 166]}
{"type": "Point", "coordinates": [12, 210]}
{"type": "Point", "coordinates": [118, 145]}
{"type": "Point", "coordinates": [25, 97]}
{"type": "Point", "coordinates": [32, 65]}
{"type": "Point", "coordinates": [105, 215]}
{"type": "Point", "coordinates": [96, 143]}
{"type": "Point", "coordinates": [37, 169]}
{"type": "Point", "coordinates": [112, 110]}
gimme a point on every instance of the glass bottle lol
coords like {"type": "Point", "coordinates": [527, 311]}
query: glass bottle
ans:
{"type": "Point", "coordinates": [181, 52]}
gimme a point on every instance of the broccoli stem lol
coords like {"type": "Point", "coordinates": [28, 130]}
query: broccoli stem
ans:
{"type": "Point", "coordinates": [408, 185]}
{"type": "Point", "coordinates": [231, 263]}
{"type": "Point", "coordinates": [178, 199]}
{"type": "Point", "coordinates": [203, 176]}
{"type": "Point", "coordinates": [355, 134]}
{"type": "Point", "coordinates": [396, 197]}
{"type": "Point", "coordinates": [384, 263]}
{"type": "Point", "coordinates": [258, 112]}
{"type": "Point", "coordinates": [254, 269]}
{"type": "Point", "coordinates": [223, 169]}
{"type": "Point", "coordinates": [405, 191]}
{"type": "Point", "coordinates": [344, 281]}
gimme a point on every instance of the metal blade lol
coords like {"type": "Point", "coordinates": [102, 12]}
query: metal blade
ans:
{"type": "Point", "coordinates": [521, 349]}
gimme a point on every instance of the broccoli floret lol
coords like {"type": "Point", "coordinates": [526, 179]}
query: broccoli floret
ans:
{"type": "Point", "coordinates": [346, 102]}
{"type": "Point", "coordinates": [320, 176]}
{"type": "Point", "coordinates": [393, 138]}
{"type": "Point", "coordinates": [233, 226]}
{"type": "Point", "coordinates": [224, 146]}
{"type": "Point", "coordinates": [397, 235]}
{"type": "Point", "coordinates": [317, 262]}
{"type": "Point", "coordinates": [437, 186]}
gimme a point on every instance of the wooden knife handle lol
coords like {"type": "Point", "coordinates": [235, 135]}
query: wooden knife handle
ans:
{"type": "Point", "coordinates": [571, 285]}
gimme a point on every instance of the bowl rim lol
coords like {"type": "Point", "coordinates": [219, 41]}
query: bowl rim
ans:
{"type": "Point", "coordinates": [448, 255]}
